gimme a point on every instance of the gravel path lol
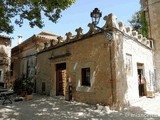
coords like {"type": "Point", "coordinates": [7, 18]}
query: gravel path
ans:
{"type": "Point", "coordinates": [56, 108]}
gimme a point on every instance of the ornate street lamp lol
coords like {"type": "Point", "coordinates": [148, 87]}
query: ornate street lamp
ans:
{"type": "Point", "coordinates": [96, 15]}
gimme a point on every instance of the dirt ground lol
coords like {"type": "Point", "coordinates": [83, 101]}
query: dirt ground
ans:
{"type": "Point", "coordinates": [56, 108]}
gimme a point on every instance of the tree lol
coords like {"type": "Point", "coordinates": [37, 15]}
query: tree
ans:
{"type": "Point", "coordinates": [31, 10]}
{"type": "Point", "coordinates": [139, 23]}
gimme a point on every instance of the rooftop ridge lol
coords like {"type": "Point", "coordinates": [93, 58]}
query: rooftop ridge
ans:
{"type": "Point", "coordinates": [111, 22]}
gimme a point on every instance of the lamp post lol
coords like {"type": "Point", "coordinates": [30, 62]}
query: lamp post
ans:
{"type": "Point", "coordinates": [96, 15]}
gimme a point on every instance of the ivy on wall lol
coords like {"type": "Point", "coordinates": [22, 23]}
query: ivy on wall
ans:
{"type": "Point", "coordinates": [144, 25]}
{"type": "Point", "coordinates": [139, 23]}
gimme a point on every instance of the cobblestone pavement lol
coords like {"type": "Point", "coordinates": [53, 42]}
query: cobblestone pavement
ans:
{"type": "Point", "coordinates": [56, 108]}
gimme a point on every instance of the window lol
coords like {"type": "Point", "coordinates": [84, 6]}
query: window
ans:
{"type": "Point", "coordinates": [129, 64]}
{"type": "Point", "coordinates": [85, 73]}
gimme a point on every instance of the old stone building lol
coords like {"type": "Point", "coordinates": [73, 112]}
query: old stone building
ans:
{"type": "Point", "coordinates": [24, 55]}
{"type": "Point", "coordinates": [5, 55]}
{"type": "Point", "coordinates": [152, 12]}
{"type": "Point", "coordinates": [95, 69]}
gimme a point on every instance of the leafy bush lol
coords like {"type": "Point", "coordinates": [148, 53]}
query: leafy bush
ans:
{"type": "Point", "coordinates": [18, 86]}
{"type": "Point", "coordinates": [28, 85]}
{"type": "Point", "coordinates": [23, 84]}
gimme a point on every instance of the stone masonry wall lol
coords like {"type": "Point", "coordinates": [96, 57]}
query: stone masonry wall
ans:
{"type": "Point", "coordinates": [91, 52]}
{"type": "Point", "coordinates": [109, 80]}
{"type": "Point", "coordinates": [152, 12]}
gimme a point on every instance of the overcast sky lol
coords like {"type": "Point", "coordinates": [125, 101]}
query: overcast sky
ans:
{"type": "Point", "coordinates": [78, 15]}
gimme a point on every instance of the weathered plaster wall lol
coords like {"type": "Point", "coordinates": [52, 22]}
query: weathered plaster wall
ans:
{"type": "Point", "coordinates": [5, 67]}
{"type": "Point", "coordinates": [5, 54]}
{"type": "Point", "coordinates": [90, 52]}
{"type": "Point", "coordinates": [21, 58]}
{"type": "Point", "coordinates": [126, 71]}
{"type": "Point", "coordinates": [110, 82]}
{"type": "Point", "coordinates": [28, 60]}
{"type": "Point", "coordinates": [152, 10]}
{"type": "Point", "coordinates": [43, 73]}
{"type": "Point", "coordinates": [154, 18]}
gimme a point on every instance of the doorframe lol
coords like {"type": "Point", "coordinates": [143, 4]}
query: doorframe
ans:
{"type": "Point", "coordinates": [140, 66]}
{"type": "Point", "coordinates": [59, 66]}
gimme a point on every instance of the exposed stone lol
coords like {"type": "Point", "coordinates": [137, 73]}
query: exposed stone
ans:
{"type": "Point", "coordinates": [110, 21]}
{"type": "Point", "coordinates": [60, 38]}
{"type": "Point", "coordinates": [144, 40]}
{"type": "Point", "coordinates": [129, 30]}
{"type": "Point", "coordinates": [121, 26]}
{"type": "Point", "coordinates": [152, 14]}
{"type": "Point", "coordinates": [135, 34]}
{"type": "Point", "coordinates": [92, 29]}
{"type": "Point", "coordinates": [69, 36]}
{"type": "Point", "coordinates": [140, 37]}
{"type": "Point", "coordinates": [53, 42]}
{"type": "Point", "coordinates": [79, 32]}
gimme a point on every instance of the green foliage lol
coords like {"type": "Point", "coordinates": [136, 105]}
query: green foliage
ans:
{"type": "Point", "coordinates": [23, 84]}
{"type": "Point", "coordinates": [28, 85]}
{"type": "Point", "coordinates": [31, 10]}
{"type": "Point", "coordinates": [139, 23]}
{"type": "Point", "coordinates": [144, 24]}
{"type": "Point", "coordinates": [18, 86]}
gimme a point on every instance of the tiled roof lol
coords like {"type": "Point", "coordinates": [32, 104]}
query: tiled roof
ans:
{"type": "Point", "coordinates": [47, 36]}
{"type": "Point", "coordinates": [42, 35]}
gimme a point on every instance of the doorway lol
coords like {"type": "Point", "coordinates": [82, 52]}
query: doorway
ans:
{"type": "Point", "coordinates": [61, 79]}
{"type": "Point", "coordinates": [141, 80]}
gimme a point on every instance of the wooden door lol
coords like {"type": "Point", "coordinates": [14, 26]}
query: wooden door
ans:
{"type": "Point", "coordinates": [61, 80]}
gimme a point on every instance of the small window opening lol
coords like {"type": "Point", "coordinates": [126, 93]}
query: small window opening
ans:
{"type": "Point", "coordinates": [43, 87]}
{"type": "Point", "coordinates": [85, 73]}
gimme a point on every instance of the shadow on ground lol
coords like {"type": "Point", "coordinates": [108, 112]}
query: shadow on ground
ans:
{"type": "Point", "coordinates": [49, 108]}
